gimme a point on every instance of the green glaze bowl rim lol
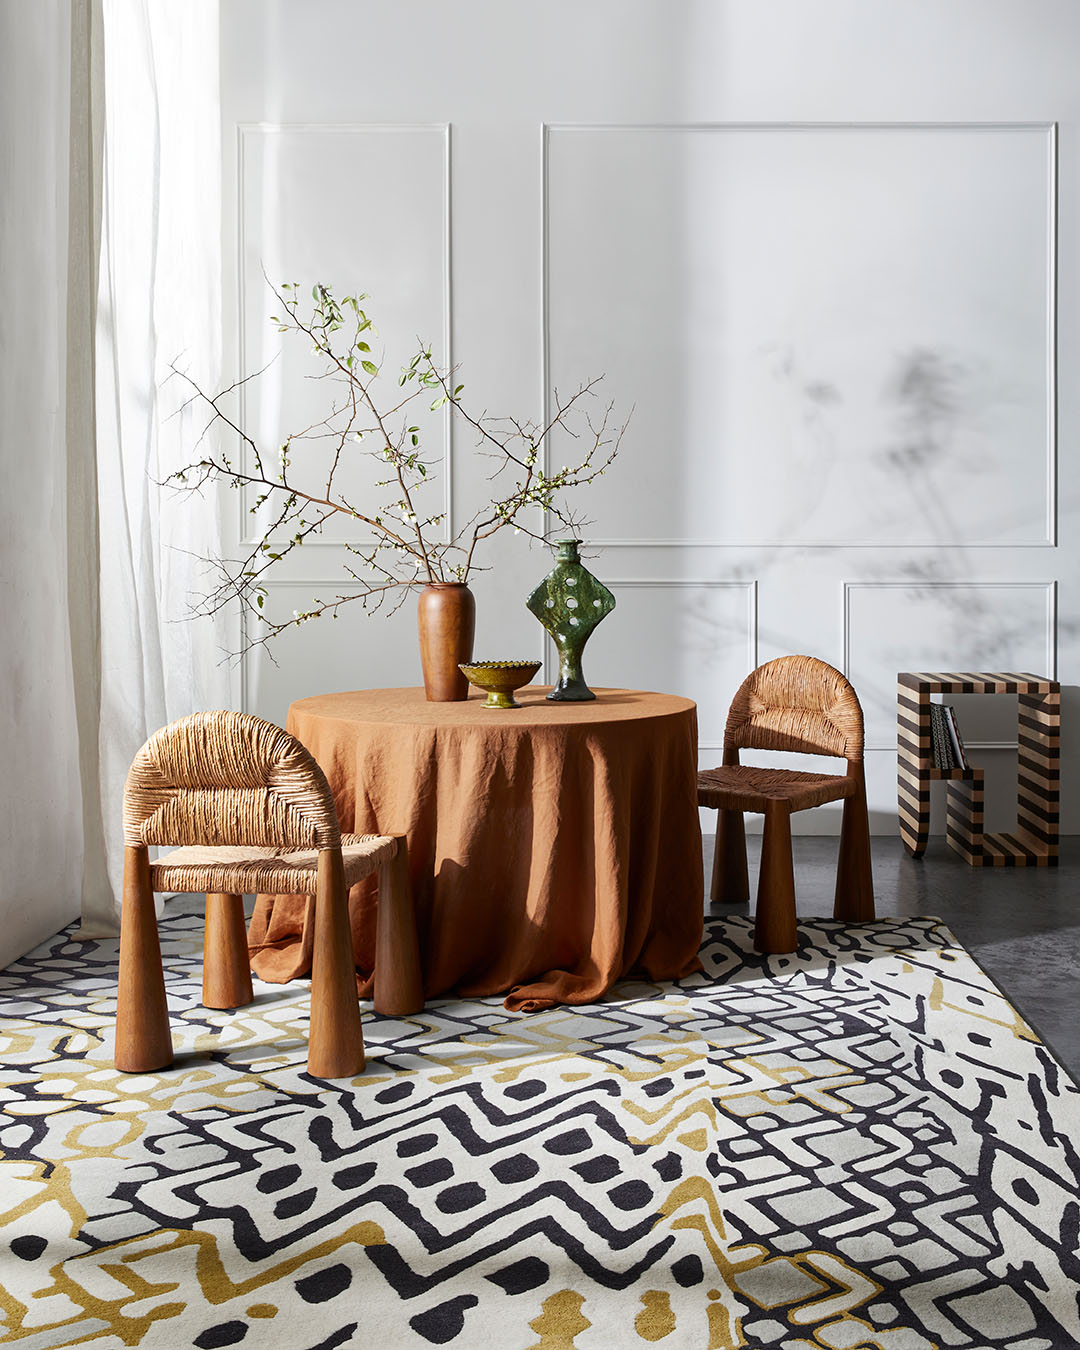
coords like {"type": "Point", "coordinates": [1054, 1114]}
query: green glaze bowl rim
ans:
{"type": "Point", "coordinates": [466, 666]}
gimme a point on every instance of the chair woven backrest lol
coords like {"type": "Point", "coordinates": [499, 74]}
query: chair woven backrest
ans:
{"type": "Point", "coordinates": [227, 778]}
{"type": "Point", "coordinates": [796, 703]}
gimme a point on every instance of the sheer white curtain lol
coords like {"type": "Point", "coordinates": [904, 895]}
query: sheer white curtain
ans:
{"type": "Point", "coordinates": [109, 271]}
{"type": "Point", "coordinates": [41, 833]}
{"type": "Point", "coordinates": [158, 303]}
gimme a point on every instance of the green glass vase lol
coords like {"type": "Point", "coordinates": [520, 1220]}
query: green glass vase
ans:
{"type": "Point", "coordinates": [570, 602]}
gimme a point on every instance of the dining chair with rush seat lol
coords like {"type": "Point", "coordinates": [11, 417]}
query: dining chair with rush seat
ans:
{"type": "Point", "coordinates": [802, 705]}
{"type": "Point", "coordinates": [252, 811]}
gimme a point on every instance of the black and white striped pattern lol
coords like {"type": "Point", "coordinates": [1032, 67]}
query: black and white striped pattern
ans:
{"type": "Point", "coordinates": [1034, 842]}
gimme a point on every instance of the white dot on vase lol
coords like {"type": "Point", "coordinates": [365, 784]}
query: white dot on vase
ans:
{"type": "Point", "coordinates": [573, 620]}
{"type": "Point", "coordinates": [561, 637]}
{"type": "Point", "coordinates": [571, 602]}
{"type": "Point", "coordinates": [571, 581]}
{"type": "Point", "coordinates": [550, 604]}
{"type": "Point", "coordinates": [596, 604]}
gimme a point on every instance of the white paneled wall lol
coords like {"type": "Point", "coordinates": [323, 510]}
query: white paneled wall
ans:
{"type": "Point", "coordinates": [848, 327]}
{"type": "Point", "coordinates": [834, 279]}
{"type": "Point", "coordinates": [690, 635]}
{"type": "Point", "coordinates": [313, 199]}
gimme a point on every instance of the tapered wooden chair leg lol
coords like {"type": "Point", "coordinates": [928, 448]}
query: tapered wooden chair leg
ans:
{"type": "Point", "coordinates": [399, 985]}
{"type": "Point", "coordinates": [143, 1042]}
{"type": "Point", "coordinates": [226, 969]}
{"type": "Point", "coordinates": [774, 921]}
{"type": "Point", "coordinates": [336, 1046]}
{"type": "Point", "coordinates": [730, 881]}
{"type": "Point", "coordinates": [854, 900]}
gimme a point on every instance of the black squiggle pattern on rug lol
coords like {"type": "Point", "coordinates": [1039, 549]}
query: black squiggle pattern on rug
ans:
{"type": "Point", "coordinates": [857, 1145]}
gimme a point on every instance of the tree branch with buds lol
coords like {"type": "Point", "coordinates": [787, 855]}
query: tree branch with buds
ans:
{"type": "Point", "coordinates": [405, 546]}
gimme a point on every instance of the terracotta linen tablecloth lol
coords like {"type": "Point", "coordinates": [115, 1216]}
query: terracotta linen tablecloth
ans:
{"type": "Point", "coordinates": [553, 849]}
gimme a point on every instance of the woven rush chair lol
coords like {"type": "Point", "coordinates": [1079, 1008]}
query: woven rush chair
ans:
{"type": "Point", "coordinates": [799, 704]}
{"type": "Point", "coordinates": [252, 812]}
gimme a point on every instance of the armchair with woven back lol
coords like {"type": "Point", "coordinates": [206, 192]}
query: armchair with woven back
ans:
{"type": "Point", "coordinates": [252, 811]}
{"type": "Point", "coordinates": [801, 705]}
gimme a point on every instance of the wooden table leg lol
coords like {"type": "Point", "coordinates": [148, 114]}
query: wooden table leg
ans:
{"type": "Point", "coordinates": [964, 817]}
{"type": "Point", "coordinates": [1039, 774]}
{"type": "Point", "coordinates": [854, 899]}
{"type": "Point", "coordinates": [774, 921]}
{"type": "Point", "coordinates": [914, 760]}
{"type": "Point", "coordinates": [399, 985]}
{"type": "Point", "coordinates": [730, 881]}
{"type": "Point", "coordinates": [336, 1038]}
{"type": "Point", "coordinates": [226, 969]}
{"type": "Point", "coordinates": [143, 1040]}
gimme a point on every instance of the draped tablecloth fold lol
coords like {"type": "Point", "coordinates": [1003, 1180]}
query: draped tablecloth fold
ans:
{"type": "Point", "coordinates": [553, 850]}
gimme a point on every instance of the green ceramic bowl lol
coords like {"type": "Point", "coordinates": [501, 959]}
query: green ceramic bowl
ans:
{"type": "Point", "coordinates": [499, 679]}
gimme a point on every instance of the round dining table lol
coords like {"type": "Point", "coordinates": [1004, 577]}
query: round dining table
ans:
{"type": "Point", "coordinates": [554, 848]}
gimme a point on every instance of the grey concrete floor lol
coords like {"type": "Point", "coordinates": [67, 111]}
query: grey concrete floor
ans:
{"type": "Point", "coordinates": [1021, 924]}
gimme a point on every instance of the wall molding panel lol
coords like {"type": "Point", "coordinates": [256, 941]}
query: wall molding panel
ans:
{"type": "Point", "coordinates": [355, 633]}
{"type": "Point", "coordinates": [705, 583]}
{"type": "Point", "coordinates": [432, 143]}
{"type": "Point", "coordinates": [940, 409]}
{"type": "Point", "coordinates": [621, 585]}
{"type": "Point", "coordinates": [970, 617]}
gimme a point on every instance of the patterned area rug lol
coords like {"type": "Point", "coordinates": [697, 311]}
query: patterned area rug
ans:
{"type": "Point", "coordinates": [861, 1145]}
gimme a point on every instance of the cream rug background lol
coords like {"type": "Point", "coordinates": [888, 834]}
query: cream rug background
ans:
{"type": "Point", "coordinates": [860, 1145]}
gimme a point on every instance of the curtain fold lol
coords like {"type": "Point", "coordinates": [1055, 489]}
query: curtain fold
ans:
{"type": "Point", "coordinates": [86, 122]}
{"type": "Point", "coordinates": [158, 303]}
{"type": "Point", "coordinates": [110, 269]}
{"type": "Point", "coordinates": [40, 790]}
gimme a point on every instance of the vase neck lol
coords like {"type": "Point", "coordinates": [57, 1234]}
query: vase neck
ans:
{"type": "Point", "coordinates": [567, 550]}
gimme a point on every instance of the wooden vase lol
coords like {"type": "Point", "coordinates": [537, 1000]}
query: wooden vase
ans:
{"type": "Point", "coordinates": [446, 618]}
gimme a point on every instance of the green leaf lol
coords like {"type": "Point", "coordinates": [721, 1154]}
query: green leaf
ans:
{"type": "Point", "coordinates": [370, 367]}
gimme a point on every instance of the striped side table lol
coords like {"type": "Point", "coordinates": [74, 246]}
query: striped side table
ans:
{"type": "Point", "coordinates": [1034, 842]}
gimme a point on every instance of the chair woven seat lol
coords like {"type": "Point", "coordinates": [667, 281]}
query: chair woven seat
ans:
{"type": "Point", "coordinates": [245, 808]}
{"type": "Point", "coordinates": [741, 787]}
{"type": "Point", "coordinates": [247, 870]}
{"type": "Point", "coordinates": [797, 705]}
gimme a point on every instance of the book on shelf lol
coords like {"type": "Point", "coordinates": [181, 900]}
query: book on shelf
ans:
{"type": "Point", "coordinates": [955, 739]}
{"type": "Point", "coordinates": [941, 743]}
